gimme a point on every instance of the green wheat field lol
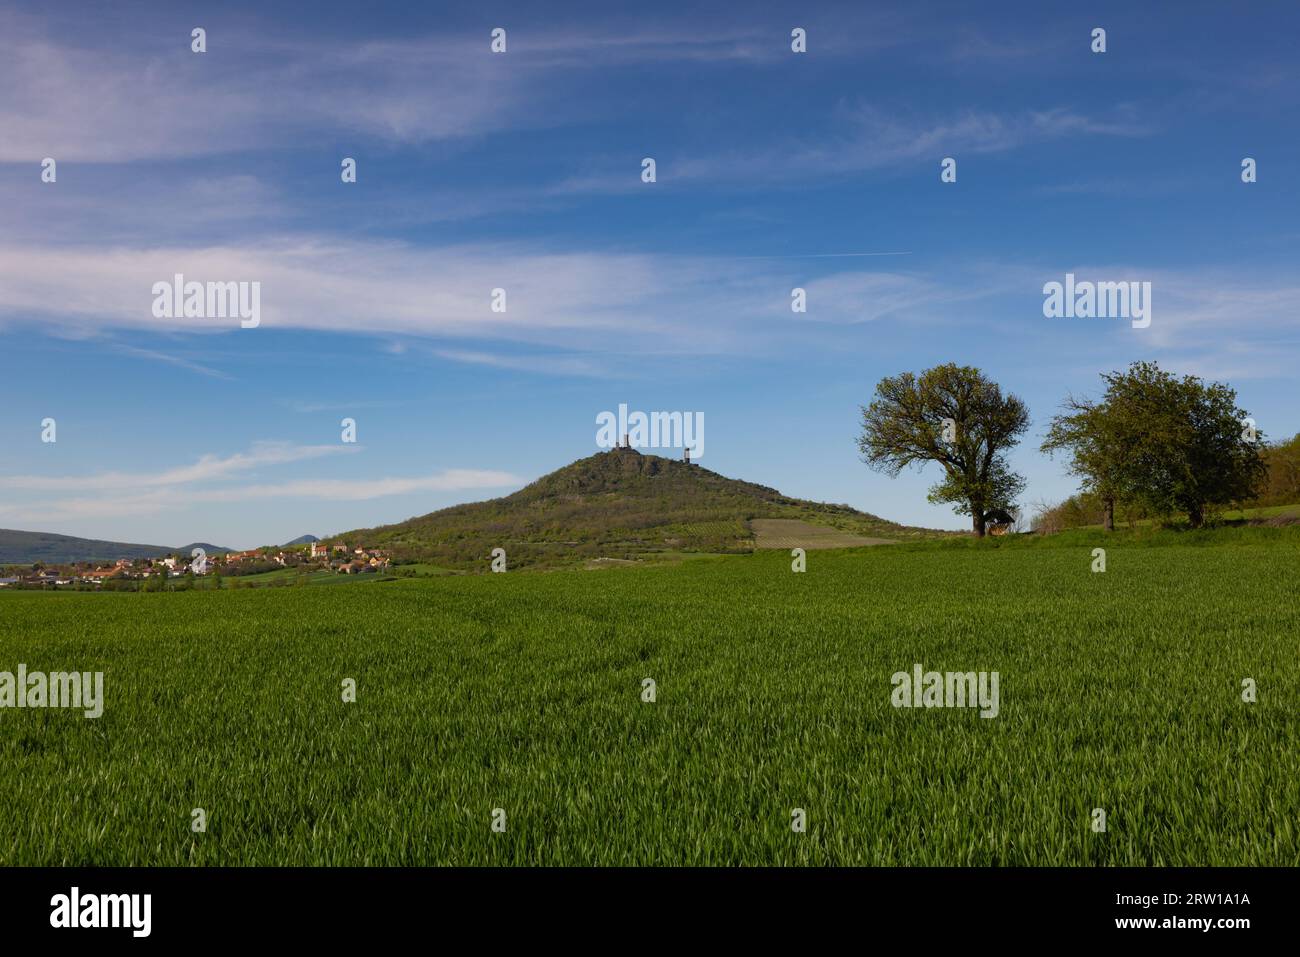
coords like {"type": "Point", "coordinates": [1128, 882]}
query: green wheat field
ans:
{"type": "Point", "coordinates": [523, 691]}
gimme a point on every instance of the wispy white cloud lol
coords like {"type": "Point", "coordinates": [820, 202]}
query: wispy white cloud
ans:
{"type": "Point", "coordinates": [207, 468]}
{"type": "Point", "coordinates": [81, 102]}
{"type": "Point", "coordinates": [389, 288]}
{"type": "Point", "coordinates": [308, 407]}
{"type": "Point", "coordinates": [863, 138]}
{"type": "Point", "coordinates": [155, 100]}
{"type": "Point", "coordinates": [972, 44]}
{"type": "Point", "coordinates": [1205, 312]}
{"type": "Point", "coordinates": [178, 361]}
{"type": "Point", "coordinates": [48, 510]}
{"type": "Point", "coordinates": [543, 364]}
{"type": "Point", "coordinates": [357, 490]}
{"type": "Point", "coordinates": [578, 313]}
{"type": "Point", "coordinates": [117, 207]}
{"type": "Point", "coordinates": [852, 297]}
{"type": "Point", "coordinates": [208, 481]}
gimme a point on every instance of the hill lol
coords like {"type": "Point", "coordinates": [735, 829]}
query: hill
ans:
{"type": "Point", "coordinates": [207, 547]}
{"type": "Point", "coordinates": [302, 540]}
{"type": "Point", "coordinates": [619, 504]}
{"type": "Point", "coordinates": [24, 548]}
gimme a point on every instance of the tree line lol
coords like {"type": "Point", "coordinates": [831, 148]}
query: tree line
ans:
{"type": "Point", "coordinates": [1152, 441]}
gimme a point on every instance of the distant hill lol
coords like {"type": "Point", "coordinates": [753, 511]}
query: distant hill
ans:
{"type": "Point", "coordinates": [616, 504]}
{"type": "Point", "coordinates": [24, 548]}
{"type": "Point", "coordinates": [302, 540]}
{"type": "Point", "coordinates": [208, 548]}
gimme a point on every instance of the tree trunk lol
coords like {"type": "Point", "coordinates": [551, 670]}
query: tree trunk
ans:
{"type": "Point", "coordinates": [977, 521]}
{"type": "Point", "coordinates": [1195, 517]}
{"type": "Point", "coordinates": [1108, 516]}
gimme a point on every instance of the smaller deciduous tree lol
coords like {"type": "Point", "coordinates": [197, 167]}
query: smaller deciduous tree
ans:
{"type": "Point", "coordinates": [1084, 430]}
{"type": "Point", "coordinates": [1283, 483]}
{"type": "Point", "coordinates": [1170, 444]}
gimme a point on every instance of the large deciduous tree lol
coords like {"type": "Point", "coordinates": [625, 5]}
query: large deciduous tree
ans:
{"type": "Point", "coordinates": [956, 417]}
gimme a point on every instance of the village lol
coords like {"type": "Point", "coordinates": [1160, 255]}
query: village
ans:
{"type": "Point", "coordinates": [338, 557]}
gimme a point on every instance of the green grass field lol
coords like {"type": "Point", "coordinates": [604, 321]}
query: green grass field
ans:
{"type": "Point", "coordinates": [522, 691]}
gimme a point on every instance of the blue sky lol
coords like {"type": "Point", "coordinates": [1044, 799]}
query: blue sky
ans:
{"type": "Point", "coordinates": [522, 171]}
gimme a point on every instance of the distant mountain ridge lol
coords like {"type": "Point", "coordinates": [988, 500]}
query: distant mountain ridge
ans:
{"type": "Point", "coordinates": [619, 504]}
{"type": "Point", "coordinates": [302, 540]}
{"type": "Point", "coordinates": [24, 548]}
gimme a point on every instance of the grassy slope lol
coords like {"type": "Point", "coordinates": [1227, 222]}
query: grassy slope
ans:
{"type": "Point", "coordinates": [1263, 511]}
{"type": "Point", "coordinates": [18, 547]}
{"type": "Point", "coordinates": [1141, 536]}
{"type": "Point", "coordinates": [617, 504]}
{"type": "Point", "coordinates": [1258, 514]}
{"type": "Point", "coordinates": [1119, 691]}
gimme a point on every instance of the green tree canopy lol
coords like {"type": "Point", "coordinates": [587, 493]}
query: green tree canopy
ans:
{"type": "Point", "coordinates": [1283, 484]}
{"type": "Point", "coordinates": [957, 417]}
{"type": "Point", "coordinates": [1170, 444]}
{"type": "Point", "coordinates": [1098, 452]}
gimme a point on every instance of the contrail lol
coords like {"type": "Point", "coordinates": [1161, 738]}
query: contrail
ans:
{"type": "Point", "coordinates": [816, 255]}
